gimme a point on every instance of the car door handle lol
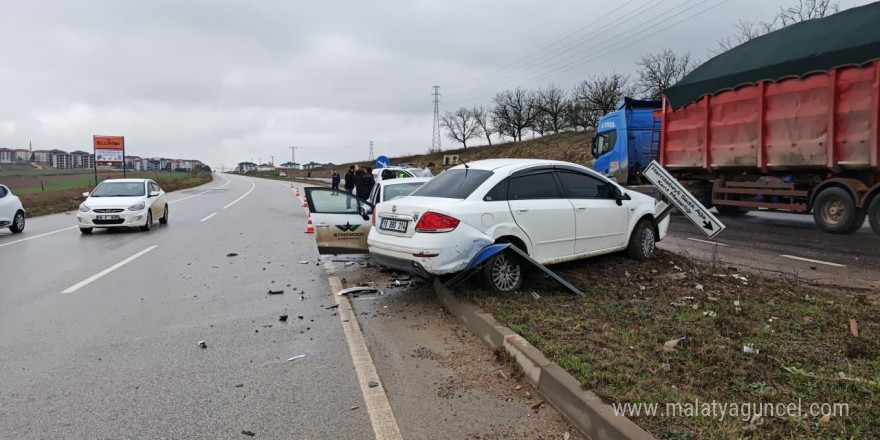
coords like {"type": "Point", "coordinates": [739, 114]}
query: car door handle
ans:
{"type": "Point", "coordinates": [581, 208]}
{"type": "Point", "coordinates": [522, 211]}
{"type": "Point", "coordinates": [322, 225]}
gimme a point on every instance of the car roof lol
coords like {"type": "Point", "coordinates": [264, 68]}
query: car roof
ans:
{"type": "Point", "coordinates": [501, 164]}
{"type": "Point", "coordinates": [402, 180]}
{"type": "Point", "coordinates": [132, 180]}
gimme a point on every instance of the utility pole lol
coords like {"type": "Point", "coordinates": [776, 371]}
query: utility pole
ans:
{"type": "Point", "coordinates": [273, 161]}
{"type": "Point", "coordinates": [435, 140]}
{"type": "Point", "coordinates": [371, 152]}
{"type": "Point", "coordinates": [293, 156]}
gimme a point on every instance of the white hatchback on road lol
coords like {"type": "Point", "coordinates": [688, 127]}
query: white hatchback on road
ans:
{"type": "Point", "coordinates": [123, 203]}
{"type": "Point", "coordinates": [554, 211]}
{"type": "Point", "coordinates": [11, 211]}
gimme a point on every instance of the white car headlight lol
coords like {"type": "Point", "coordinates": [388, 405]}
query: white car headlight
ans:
{"type": "Point", "coordinates": [137, 206]}
{"type": "Point", "coordinates": [83, 208]}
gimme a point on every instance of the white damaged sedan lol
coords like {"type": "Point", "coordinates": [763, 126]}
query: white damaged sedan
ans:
{"type": "Point", "coordinates": [123, 203]}
{"type": "Point", "coordinates": [553, 211]}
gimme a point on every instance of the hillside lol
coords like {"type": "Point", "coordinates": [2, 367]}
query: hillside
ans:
{"type": "Point", "coordinates": [572, 146]}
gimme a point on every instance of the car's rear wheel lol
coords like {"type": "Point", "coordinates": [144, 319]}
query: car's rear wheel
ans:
{"type": "Point", "coordinates": [503, 273]}
{"type": "Point", "coordinates": [85, 230]}
{"type": "Point", "coordinates": [149, 223]}
{"type": "Point", "coordinates": [164, 219]}
{"type": "Point", "coordinates": [17, 222]}
{"type": "Point", "coordinates": [642, 242]}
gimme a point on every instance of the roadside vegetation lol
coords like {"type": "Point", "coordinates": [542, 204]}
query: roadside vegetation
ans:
{"type": "Point", "coordinates": [680, 331]}
{"type": "Point", "coordinates": [51, 191]}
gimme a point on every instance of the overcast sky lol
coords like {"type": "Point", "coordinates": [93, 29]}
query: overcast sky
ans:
{"type": "Point", "coordinates": [232, 81]}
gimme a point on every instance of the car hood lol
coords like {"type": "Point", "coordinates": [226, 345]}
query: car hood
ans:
{"type": "Point", "coordinates": [112, 202]}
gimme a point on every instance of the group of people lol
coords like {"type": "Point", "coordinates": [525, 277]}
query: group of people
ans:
{"type": "Point", "coordinates": [359, 180]}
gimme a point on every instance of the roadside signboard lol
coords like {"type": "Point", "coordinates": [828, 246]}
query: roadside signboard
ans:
{"type": "Point", "coordinates": [382, 162]}
{"type": "Point", "coordinates": [109, 150]}
{"type": "Point", "coordinates": [683, 200]}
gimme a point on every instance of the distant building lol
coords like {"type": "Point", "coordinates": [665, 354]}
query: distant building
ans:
{"type": "Point", "coordinates": [246, 167]}
{"type": "Point", "coordinates": [82, 159]}
{"type": "Point", "coordinates": [265, 167]}
{"type": "Point", "coordinates": [59, 159]}
{"type": "Point", "coordinates": [22, 155]}
{"type": "Point", "coordinates": [290, 166]}
{"type": "Point", "coordinates": [41, 156]}
{"type": "Point", "coordinates": [7, 155]}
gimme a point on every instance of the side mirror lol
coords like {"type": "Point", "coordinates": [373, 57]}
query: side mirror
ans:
{"type": "Point", "coordinates": [618, 196]}
{"type": "Point", "coordinates": [593, 146]}
{"type": "Point", "coordinates": [154, 193]}
{"type": "Point", "coordinates": [85, 194]}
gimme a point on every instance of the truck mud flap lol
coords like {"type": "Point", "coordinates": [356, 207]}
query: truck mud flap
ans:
{"type": "Point", "coordinates": [488, 252]}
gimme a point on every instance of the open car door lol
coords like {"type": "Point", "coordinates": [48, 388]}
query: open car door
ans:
{"type": "Point", "coordinates": [341, 220]}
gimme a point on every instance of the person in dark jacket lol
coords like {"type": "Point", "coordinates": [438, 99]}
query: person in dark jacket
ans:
{"type": "Point", "coordinates": [334, 181]}
{"type": "Point", "coordinates": [349, 185]}
{"type": "Point", "coordinates": [365, 184]}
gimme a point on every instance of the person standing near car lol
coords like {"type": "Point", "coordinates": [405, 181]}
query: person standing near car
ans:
{"type": "Point", "coordinates": [429, 170]}
{"type": "Point", "coordinates": [334, 180]}
{"type": "Point", "coordinates": [349, 184]}
{"type": "Point", "coordinates": [365, 184]}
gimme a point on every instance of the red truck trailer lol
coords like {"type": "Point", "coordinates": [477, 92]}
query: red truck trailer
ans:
{"type": "Point", "coordinates": [787, 121]}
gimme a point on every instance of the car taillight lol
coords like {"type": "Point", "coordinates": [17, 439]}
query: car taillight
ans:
{"type": "Point", "coordinates": [434, 222]}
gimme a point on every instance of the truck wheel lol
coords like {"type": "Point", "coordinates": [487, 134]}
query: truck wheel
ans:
{"type": "Point", "coordinates": [874, 214]}
{"type": "Point", "coordinates": [642, 241]}
{"type": "Point", "coordinates": [503, 273]}
{"type": "Point", "coordinates": [859, 221]}
{"type": "Point", "coordinates": [835, 210]}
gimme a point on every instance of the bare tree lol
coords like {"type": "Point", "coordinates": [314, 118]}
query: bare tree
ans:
{"type": "Point", "coordinates": [461, 125]}
{"type": "Point", "coordinates": [514, 112]}
{"type": "Point", "coordinates": [550, 103]}
{"type": "Point", "coordinates": [576, 115]}
{"type": "Point", "coordinates": [481, 116]}
{"type": "Point", "coordinates": [658, 71]}
{"type": "Point", "coordinates": [598, 95]}
{"type": "Point", "coordinates": [804, 10]}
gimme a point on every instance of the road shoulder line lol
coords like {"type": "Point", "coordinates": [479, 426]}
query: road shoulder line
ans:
{"type": "Point", "coordinates": [381, 416]}
{"type": "Point", "coordinates": [100, 274]}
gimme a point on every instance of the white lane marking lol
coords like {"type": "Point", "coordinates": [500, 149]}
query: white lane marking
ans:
{"type": "Point", "coordinates": [38, 236]}
{"type": "Point", "coordinates": [100, 274]}
{"type": "Point", "coordinates": [381, 416]}
{"type": "Point", "coordinates": [245, 195]}
{"type": "Point", "coordinates": [813, 261]}
{"type": "Point", "coordinates": [706, 241]}
{"type": "Point", "coordinates": [206, 218]}
{"type": "Point", "coordinates": [203, 192]}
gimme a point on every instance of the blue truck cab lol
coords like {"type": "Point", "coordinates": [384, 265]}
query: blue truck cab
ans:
{"type": "Point", "coordinates": [627, 140]}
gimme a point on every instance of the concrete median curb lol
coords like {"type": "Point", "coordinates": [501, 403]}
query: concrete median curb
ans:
{"type": "Point", "coordinates": [582, 408]}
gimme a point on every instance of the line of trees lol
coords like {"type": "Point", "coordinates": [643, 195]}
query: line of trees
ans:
{"type": "Point", "coordinates": [552, 109]}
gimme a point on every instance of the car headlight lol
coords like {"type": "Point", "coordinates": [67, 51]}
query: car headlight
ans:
{"type": "Point", "coordinates": [137, 206]}
{"type": "Point", "coordinates": [83, 208]}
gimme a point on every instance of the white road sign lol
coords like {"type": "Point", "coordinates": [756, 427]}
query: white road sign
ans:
{"type": "Point", "coordinates": [683, 199]}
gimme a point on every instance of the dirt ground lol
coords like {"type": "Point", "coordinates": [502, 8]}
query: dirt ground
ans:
{"type": "Point", "coordinates": [674, 330]}
{"type": "Point", "coordinates": [442, 381]}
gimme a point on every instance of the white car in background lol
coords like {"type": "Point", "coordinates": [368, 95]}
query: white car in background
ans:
{"type": "Point", "coordinates": [11, 211]}
{"type": "Point", "coordinates": [395, 173]}
{"type": "Point", "coordinates": [342, 220]}
{"type": "Point", "coordinates": [553, 211]}
{"type": "Point", "coordinates": [123, 203]}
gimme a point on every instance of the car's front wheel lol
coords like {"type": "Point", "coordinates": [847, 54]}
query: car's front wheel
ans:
{"type": "Point", "coordinates": [17, 223]}
{"type": "Point", "coordinates": [642, 242]}
{"type": "Point", "coordinates": [164, 219]}
{"type": "Point", "coordinates": [503, 273]}
{"type": "Point", "coordinates": [149, 223]}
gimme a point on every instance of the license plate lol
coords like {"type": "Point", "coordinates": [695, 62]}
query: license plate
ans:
{"type": "Point", "coordinates": [108, 217]}
{"type": "Point", "coordinates": [393, 225]}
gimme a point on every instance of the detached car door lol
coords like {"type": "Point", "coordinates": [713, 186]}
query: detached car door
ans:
{"type": "Point", "coordinates": [338, 218]}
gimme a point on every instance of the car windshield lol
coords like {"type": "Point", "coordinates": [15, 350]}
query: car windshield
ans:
{"type": "Point", "coordinates": [454, 184]}
{"type": "Point", "coordinates": [119, 189]}
{"type": "Point", "coordinates": [401, 190]}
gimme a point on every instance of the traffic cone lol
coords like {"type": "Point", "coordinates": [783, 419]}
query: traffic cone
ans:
{"type": "Point", "coordinates": [297, 190]}
{"type": "Point", "coordinates": [305, 205]}
{"type": "Point", "coordinates": [310, 228]}
{"type": "Point", "coordinates": [291, 185]}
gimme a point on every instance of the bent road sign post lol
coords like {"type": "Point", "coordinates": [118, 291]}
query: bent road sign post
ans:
{"type": "Point", "coordinates": [683, 200]}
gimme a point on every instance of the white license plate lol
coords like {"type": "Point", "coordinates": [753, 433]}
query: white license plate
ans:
{"type": "Point", "coordinates": [108, 217]}
{"type": "Point", "coordinates": [393, 225]}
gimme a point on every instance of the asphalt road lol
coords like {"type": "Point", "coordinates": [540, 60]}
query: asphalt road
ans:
{"type": "Point", "coordinates": [99, 335]}
{"type": "Point", "coordinates": [118, 357]}
{"type": "Point", "coordinates": [789, 244]}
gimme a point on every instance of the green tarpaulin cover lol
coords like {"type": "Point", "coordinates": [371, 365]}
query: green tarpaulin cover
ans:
{"type": "Point", "coordinates": [851, 37]}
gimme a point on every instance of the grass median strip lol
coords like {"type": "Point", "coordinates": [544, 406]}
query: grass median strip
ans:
{"type": "Point", "coordinates": [676, 331]}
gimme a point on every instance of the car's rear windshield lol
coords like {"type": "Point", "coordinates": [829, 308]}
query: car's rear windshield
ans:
{"type": "Point", "coordinates": [454, 184]}
{"type": "Point", "coordinates": [119, 189]}
{"type": "Point", "coordinates": [400, 190]}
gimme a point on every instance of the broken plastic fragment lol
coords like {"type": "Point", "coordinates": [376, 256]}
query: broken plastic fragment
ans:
{"type": "Point", "coordinates": [202, 344]}
{"type": "Point", "coordinates": [296, 357]}
{"type": "Point", "coordinates": [359, 289]}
